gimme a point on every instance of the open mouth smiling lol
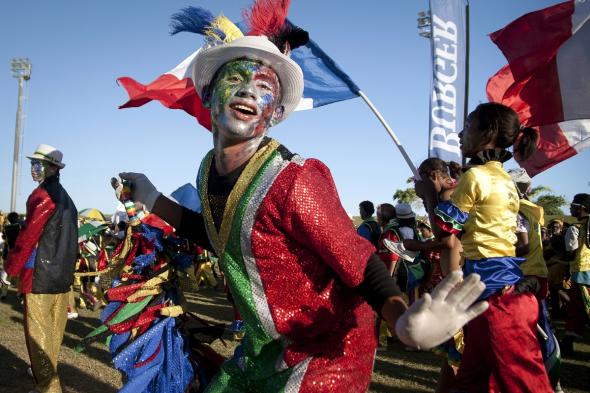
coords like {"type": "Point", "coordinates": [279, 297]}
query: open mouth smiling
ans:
{"type": "Point", "coordinates": [244, 110]}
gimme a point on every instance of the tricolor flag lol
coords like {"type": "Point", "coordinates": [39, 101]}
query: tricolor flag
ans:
{"type": "Point", "coordinates": [325, 83]}
{"type": "Point", "coordinates": [546, 79]}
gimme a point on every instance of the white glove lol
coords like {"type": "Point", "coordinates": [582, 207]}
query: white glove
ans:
{"type": "Point", "coordinates": [434, 319]}
{"type": "Point", "coordinates": [142, 189]}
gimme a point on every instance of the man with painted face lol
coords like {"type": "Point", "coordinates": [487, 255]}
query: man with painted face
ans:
{"type": "Point", "coordinates": [44, 257]}
{"type": "Point", "coordinates": [303, 280]}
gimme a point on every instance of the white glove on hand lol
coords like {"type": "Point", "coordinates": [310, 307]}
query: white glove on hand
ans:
{"type": "Point", "coordinates": [142, 189]}
{"type": "Point", "coordinates": [434, 319]}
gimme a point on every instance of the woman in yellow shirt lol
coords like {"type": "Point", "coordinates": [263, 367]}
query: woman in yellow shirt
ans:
{"type": "Point", "coordinates": [501, 352]}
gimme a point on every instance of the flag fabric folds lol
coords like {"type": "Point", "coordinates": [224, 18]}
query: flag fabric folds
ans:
{"type": "Point", "coordinates": [325, 83]}
{"type": "Point", "coordinates": [174, 89]}
{"type": "Point", "coordinates": [545, 80]}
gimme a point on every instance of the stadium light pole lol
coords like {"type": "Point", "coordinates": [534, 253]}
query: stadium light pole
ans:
{"type": "Point", "coordinates": [21, 69]}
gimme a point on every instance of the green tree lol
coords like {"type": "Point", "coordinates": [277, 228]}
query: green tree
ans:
{"type": "Point", "coordinates": [405, 196]}
{"type": "Point", "coordinates": [536, 191]}
{"type": "Point", "coordinates": [551, 203]}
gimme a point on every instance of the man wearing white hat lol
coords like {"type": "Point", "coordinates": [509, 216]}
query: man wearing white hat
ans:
{"type": "Point", "coordinates": [296, 268]}
{"type": "Point", "coordinates": [44, 257]}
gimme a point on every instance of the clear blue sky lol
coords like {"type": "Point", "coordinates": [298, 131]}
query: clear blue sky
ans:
{"type": "Point", "coordinates": [78, 49]}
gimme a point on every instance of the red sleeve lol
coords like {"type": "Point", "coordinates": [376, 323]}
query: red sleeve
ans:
{"type": "Point", "coordinates": [390, 235]}
{"type": "Point", "coordinates": [39, 208]}
{"type": "Point", "coordinates": [314, 216]}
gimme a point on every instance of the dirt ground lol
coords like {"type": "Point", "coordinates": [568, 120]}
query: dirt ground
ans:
{"type": "Point", "coordinates": [396, 370]}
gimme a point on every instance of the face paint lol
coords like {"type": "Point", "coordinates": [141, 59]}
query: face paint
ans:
{"type": "Point", "coordinates": [244, 98]}
{"type": "Point", "coordinates": [38, 171]}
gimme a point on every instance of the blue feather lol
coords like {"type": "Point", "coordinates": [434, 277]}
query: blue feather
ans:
{"type": "Point", "coordinates": [192, 20]}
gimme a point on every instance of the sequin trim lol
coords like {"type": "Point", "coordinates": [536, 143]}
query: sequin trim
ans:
{"type": "Point", "coordinates": [275, 167]}
{"type": "Point", "coordinates": [219, 240]}
{"type": "Point", "coordinates": [294, 382]}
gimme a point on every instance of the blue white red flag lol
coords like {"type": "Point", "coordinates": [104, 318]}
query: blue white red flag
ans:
{"type": "Point", "coordinates": [325, 83]}
{"type": "Point", "coordinates": [546, 81]}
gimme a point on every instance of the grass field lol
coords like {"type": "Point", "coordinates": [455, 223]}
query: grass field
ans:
{"type": "Point", "coordinates": [396, 370]}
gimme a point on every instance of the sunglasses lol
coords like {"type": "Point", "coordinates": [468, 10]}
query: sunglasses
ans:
{"type": "Point", "coordinates": [576, 205]}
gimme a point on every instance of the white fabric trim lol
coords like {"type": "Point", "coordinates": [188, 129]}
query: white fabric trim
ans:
{"type": "Point", "coordinates": [294, 382]}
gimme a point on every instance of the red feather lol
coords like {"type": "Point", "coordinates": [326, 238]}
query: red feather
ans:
{"type": "Point", "coordinates": [267, 16]}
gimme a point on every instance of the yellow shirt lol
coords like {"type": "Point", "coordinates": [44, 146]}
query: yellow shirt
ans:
{"type": "Point", "coordinates": [535, 263]}
{"type": "Point", "coordinates": [488, 194]}
{"type": "Point", "coordinates": [581, 262]}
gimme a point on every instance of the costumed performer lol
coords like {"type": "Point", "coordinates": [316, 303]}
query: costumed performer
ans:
{"type": "Point", "coordinates": [501, 351]}
{"type": "Point", "coordinates": [44, 257]}
{"type": "Point", "coordinates": [530, 219]}
{"type": "Point", "coordinates": [303, 280]}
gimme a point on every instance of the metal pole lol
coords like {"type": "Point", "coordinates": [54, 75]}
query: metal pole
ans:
{"type": "Point", "coordinates": [17, 135]}
{"type": "Point", "coordinates": [466, 102]}
{"type": "Point", "coordinates": [391, 134]}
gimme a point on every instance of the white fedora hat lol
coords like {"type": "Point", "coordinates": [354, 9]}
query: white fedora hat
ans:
{"type": "Point", "coordinates": [48, 153]}
{"type": "Point", "coordinates": [259, 48]}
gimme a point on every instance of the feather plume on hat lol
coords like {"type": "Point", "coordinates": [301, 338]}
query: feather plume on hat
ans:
{"type": "Point", "coordinates": [265, 18]}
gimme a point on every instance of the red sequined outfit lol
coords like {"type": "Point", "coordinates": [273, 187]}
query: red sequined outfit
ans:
{"type": "Point", "coordinates": [292, 268]}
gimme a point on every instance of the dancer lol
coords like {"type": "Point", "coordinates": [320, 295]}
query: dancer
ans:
{"type": "Point", "coordinates": [297, 270]}
{"type": "Point", "coordinates": [45, 256]}
{"type": "Point", "coordinates": [528, 232]}
{"type": "Point", "coordinates": [577, 240]}
{"type": "Point", "coordinates": [501, 352]}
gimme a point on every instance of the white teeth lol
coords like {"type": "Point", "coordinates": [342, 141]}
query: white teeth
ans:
{"type": "Point", "coordinates": [244, 108]}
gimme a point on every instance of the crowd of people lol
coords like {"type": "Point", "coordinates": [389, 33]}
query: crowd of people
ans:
{"type": "Point", "coordinates": [480, 219]}
{"type": "Point", "coordinates": [310, 291]}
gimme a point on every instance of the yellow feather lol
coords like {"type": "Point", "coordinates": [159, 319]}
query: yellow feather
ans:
{"type": "Point", "coordinates": [230, 30]}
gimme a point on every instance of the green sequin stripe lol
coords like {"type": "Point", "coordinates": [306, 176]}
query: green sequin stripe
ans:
{"type": "Point", "coordinates": [235, 261]}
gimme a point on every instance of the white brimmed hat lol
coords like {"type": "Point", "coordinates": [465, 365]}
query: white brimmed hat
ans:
{"type": "Point", "coordinates": [48, 153]}
{"type": "Point", "coordinates": [259, 48]}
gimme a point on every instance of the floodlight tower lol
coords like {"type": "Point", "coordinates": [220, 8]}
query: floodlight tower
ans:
{"type": "Point", "coordinates": [21, 69]}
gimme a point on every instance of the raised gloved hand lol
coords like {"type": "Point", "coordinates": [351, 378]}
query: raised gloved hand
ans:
{"type": "Point", "coordinates": [142, 189]}
{"type": "Point", "coordinates": [432, 320]}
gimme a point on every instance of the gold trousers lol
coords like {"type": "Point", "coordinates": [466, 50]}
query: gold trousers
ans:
{"type": "Point", "coordinates": [45, 322]}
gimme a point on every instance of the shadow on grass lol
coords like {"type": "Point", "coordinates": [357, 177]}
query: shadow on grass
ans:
{"type": "Point", "coordinates": [14, 377]}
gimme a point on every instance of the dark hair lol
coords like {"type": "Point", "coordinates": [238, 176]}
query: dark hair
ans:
{"type": "Point", "coordinates": [122, 225]}
{"type": "Point", "coordinates": [367, 207]}
{"type": "Point", "coordinates": [433, 164]}
{"type": "Point", "coordinates": [501, 124]}
{"type": "Point", "coordinates": [387, 211]}
{"type": "Point", "coordinates": [12, 217]}
{"type": "Point", "coordinates": [455, 170]}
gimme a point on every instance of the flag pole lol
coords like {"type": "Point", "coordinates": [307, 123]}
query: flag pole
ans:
{"type": "Point", "coordinates": [391, 134]}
